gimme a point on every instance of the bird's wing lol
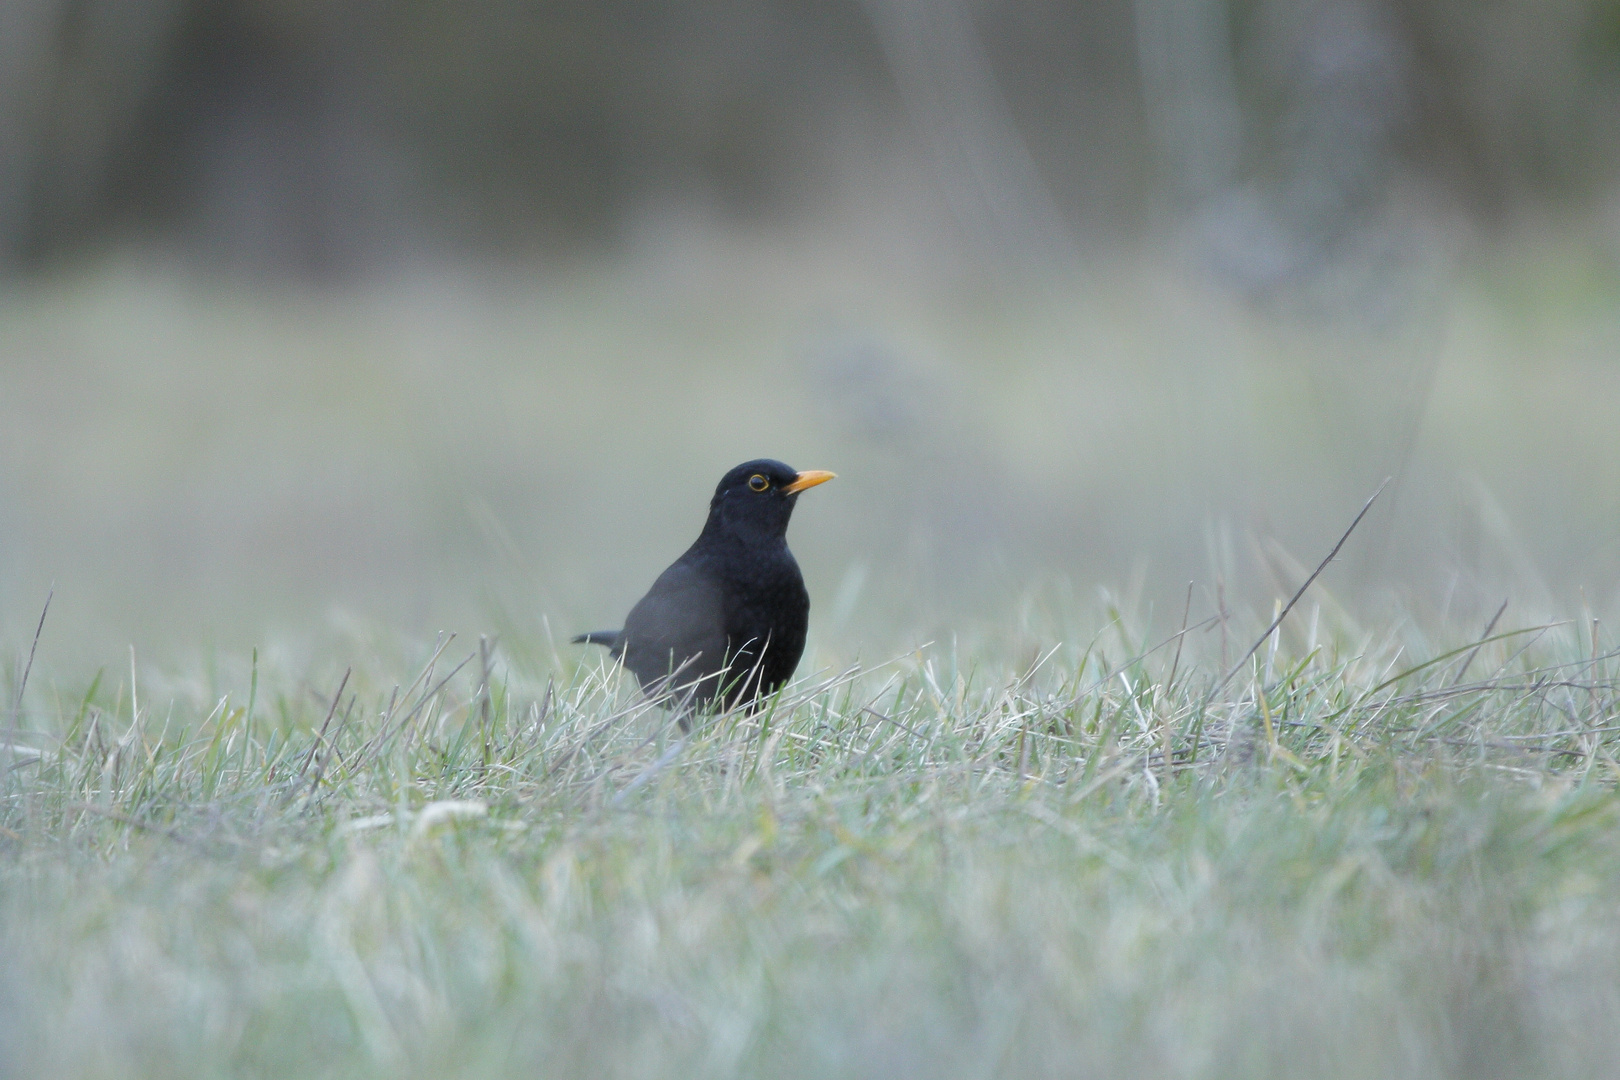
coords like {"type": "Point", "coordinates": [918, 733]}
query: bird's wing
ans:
{"type": "Point", "coordinates": [678, 626]}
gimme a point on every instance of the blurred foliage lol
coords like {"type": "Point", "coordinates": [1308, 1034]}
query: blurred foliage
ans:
{"type": "Point", "coordinates": [325, 137]}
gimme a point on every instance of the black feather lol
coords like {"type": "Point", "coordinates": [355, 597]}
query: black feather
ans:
{"type": "Point", "coordinates": [610, 638]}
{"type": "Point", "coordinates": [726, 622]}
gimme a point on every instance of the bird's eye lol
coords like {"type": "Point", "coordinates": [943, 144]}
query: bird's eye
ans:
{"type": "Point", "coordinates": [758, 482]}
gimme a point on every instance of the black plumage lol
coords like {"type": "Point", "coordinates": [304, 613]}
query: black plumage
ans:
{"type": "Point", "coordinates": [726, 623]}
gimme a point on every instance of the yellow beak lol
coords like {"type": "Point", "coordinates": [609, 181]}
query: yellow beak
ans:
{"type": "Point", "coordinates": [809, 479]}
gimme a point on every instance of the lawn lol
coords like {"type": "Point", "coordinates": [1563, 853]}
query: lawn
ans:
{"type": "Point", "coordinates": [259, 818]}
{"type": "Point", "coordinates": [1374, 856]}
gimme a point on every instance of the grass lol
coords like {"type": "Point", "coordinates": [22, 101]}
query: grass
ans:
{"type": "Point", "coordinates": [198, 461]}
{"type": "Point", "coordinates": [1380, 849]}
{"type": "Point", "coordinates": [1377, 857]}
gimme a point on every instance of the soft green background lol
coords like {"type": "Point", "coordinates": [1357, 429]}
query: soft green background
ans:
{"type": "Point", "coordinates": [193, 462]}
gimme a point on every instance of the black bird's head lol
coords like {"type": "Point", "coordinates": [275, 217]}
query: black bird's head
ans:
{"type": "Point", "coordinates": [755, 500]}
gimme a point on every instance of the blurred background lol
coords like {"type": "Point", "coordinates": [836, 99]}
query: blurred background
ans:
{"type": "Point", "coordinates": [328, 317]}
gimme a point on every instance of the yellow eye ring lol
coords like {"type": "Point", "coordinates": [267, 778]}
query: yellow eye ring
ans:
{"type": "Point", "coordinates": [758, 483]}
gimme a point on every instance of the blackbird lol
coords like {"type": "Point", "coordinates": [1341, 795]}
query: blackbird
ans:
{"type": "Point", "coordinates": [725, 623]}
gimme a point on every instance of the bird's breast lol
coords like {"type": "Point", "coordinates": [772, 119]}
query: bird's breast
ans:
{"type": "Point", "coordinates": [769, 597]}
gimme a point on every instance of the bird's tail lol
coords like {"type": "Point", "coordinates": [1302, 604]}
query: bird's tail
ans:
{"type": "Point", "coordinates": [609, 638]}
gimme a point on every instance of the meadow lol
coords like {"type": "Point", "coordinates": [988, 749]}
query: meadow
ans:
{"type": "Point", "coordinates": [1366, 858]}
{"type": "Point", "coordinates": [297, 777]}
